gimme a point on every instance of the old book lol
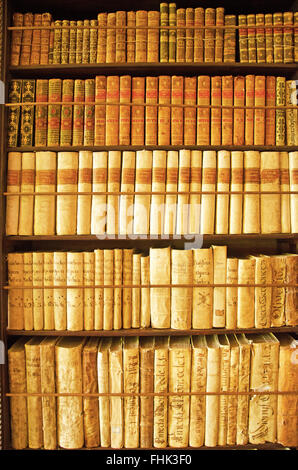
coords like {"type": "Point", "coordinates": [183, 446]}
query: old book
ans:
{"type": "Point", "coordinates": [229, 52]}
{"type": "Point", "coordinates": [51, 42]}
{"type": "Point", "coordinates": [251, 202]}
{"type": "Point", "coordinates": [260, 38]}
{"type": "Point", "coordinates": [141, 35]}
{"type": "Point", "coordinates": [145, 292]}
{"type": "Point", "coordinates": [127, 186]}
{"type": "Point", "coordinates": [284, 198]}
{"type": "Point", "coordinates": [179, 381]}
{"type": "Point", "coordinates": [54, 111]}
{"type": "Point", "coordinates": [60, 295]}
{"type": "Point", "coordinates": [118, 266]}
{"type": "Point", "coordinates": [108, 298]}
{"type": "Point", "coordinates": [160, 297]}
{"type": "Point", "coordinates": [291, 114]}
{"type": "Point", "coordinates": [90, 385]}
{"type": "Point", "coordinates": [263, 275]}
{"type": "Point", "coordinates": [34, 406]}
{"type": "Point", "coordinates": [219, 35]}
{"type": "Point", "coordinates": [98, 291]}
{"type": "Point", "coordinates": [41, 116]}
{"type": "Point", "coordinates": [65, 42]}
{"type": "Point", "coordinates": [131, 378]}
{"type": "Point", "coordinates": [84, 185]}
{"type": "Point", "coordinates": [146, 385]}
{"type": "Point", "coordinates": [99, 184]}
{"type": "Point", "coordinates": [86, 42]}
{"type": "Point", "coordinates": [215, 111]}
{"type": "Point", "coordinates": [67, 182]}
{"type": "Point", "coordinates": [38, 282]}
{"type": "Point", "coordinates": [270, 112]}
{"type": "Point", "coordinates": [263, 377]}
{"type": "Point", "coordinates": [199, 35]}
{"type": "Point", "coordinates": [287, 381]}
{"type": "Point", "coordinates": [28, 293]}
{"type": "Point", "coordinates": [181, 297]}
{"type": "Point", "coordinates": [159, 185]}
{"type": "Point", "coordinates": [124, 111]}
{"type": "Point", "coordinates": [259, 117]}
{"type": "Point", "coordinates": [88, 281]}
{"type": "Point", "coordinates": [182, 222]}
{"type": "Point", "coordinates": [16, 39]}
{"type": "Point", "coordinates": [48, 294]}
{"type": "Point", "coordinates": [138, 111]}
{"type": "Point", "coordinates": [26, 39]}
{"type": "Point", "coordinates": [233, 387]}
{"type": "Point", "coordinates": [36, 40]}
{"type": "Point", "coordinates": [278, 264]}
{"type": "Point", "coordinates": [171, 186]}
{"type": "Point", "coordinates": [17, 384]}
{"type": "Point", "coordinates": [100, 110]}
{"type": "Point", "coordinates": [164, 33]}
{"type": "Point", "coordinates": [45, 182]}
{"type": "Point", "coordinates": [66, 113]}
{"type": "Point", "coordinates": [14, 112]}
{"type": "Point", "coordinates": [277, 38]}
{"type": "Point", "coordinates": [93, 42]}
{"type": "Point", "coordinates": [15, 265]}
{"type": "Point", "coordinates": [57, 46]}
{"type": "Point", "coordinates": [14, 165]}
{"type": "Point", "coordinates": [151, 111]}
{"type": "Point", "coordinates": [181, 32]}
{"type": "Point", "coordinates": [295, 37]}
{"type": "Point", "coordinates": [177, 112]}
{"type": "Point", "coordinates": [269, 38]}
{"type": "Point", "coordinates": [111, 38]}
{"type": "Point", "coordinates": [142, 184]}
{"type": "Point", "coordinates": [172, 32]}
{"type": "Point", "coordinates": [189, 42]}
{"type": "Point", "coordinates": [164, 112]}
{"type": "Point", "coordinates": [46, 19]}
{"type": "Point", "coordinates": [251, 34]}
{"type": "Point", "coordinates": [225, 353]}
{"type": "Point", "coordinates": [246, 295]}
{"type": "Point", "coordinates": [291, 292]}
{"type": "Point", "coordinates": [208, 185]}
{"type": "Point", "coordinates": [131, 36]}
{"type": "Point", "coordinates": [114, 175]}
{"type": "Point", "coordinates": [48, 385]}
{"type": "Point", "coordinates": [293, 166]}
{"type": "Point", "coordinates": [27, 186]}
{"type": "Point", "coordinates": [198, 384]}
{"type": "Point", "coordinates": [112, 111]}
{"type": "Point", "coordinates": [203, 113]}
{"type": "Point", "coordinates": [249, 112]}
{"type": "Point", "coordinates": [270, 203]}
{"type": "Point", "coordinates": [70, 425]}
{"type": "Point", "coordinates": [160, 404]}
{"type": "Point", "coordinates": [223, 184]}
{"type": "Point", "coordinates": [202, 306]}
{"type": "Point", "coordinates": [212, 385]}
{"type": "Point", "coordinates": [243, 386]}
{"type": "Point", "coordinates": [280, 118]}
{"type": "Point", "coordinates": [195, 186]}
{"type": "Point", "coordinates": [227, 110]}
{"type": "Point", "coordinates": [231, 293]}
{"type": "Point", "coordinates": [116, 386]}
{"type": "Point", "coordinates": [127, 292]}
{"type": "Point", "coordinates": [209, 43]}
{"type": "Point", "coordinates": [101, 38]}
{"type": "Point", "coordinates": [238, 118]}
{"type": "Point", "coordinates": [243, 39]}
{"type": "Point", "coordinates": [190, 112]}
{"type": "Point", "coordinates": [219, 293]}
{"type": "Point", "coordinates": [27, 114]}
{"type": "Point", "coordinates": [236, 200]}
{"type": "Point", "coordinates": [74, 295]}
{"type": "Point", "coordinates": [120, 36]}
{"type": "Point", "coordinates": [89, 112]}
{"type": "Point", "coordinates": [78, 112]}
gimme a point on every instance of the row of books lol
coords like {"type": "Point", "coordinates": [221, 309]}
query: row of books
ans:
{"type": "Point", "coordinates": [127, 37]}
{"type": "Point", "coordinates": [66, 290]}
{"type": "Point", "coordinates": [165, 110]}
{"type": "Point", "coordinates": [215, 364]}
{"type": "Point", "coordinates": [164, 192]}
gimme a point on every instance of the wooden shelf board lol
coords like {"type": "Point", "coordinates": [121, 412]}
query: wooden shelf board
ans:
{"type": "Point", "coordinates": [266, 446]}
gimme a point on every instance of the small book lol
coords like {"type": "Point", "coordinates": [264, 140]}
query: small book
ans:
{"type": "Point", "coordinates": [86, 42]}
{"type": "Point", "coordinates": [249, 112]}
{"type": "Point", "coordinates": [225, 357]}
{"type": "Point", "coordinates": [118, 268]}
{"type": "Point", "coordinates": [269, 37]}
{"type": "Point", "coordinates": [231, 293]}
{"type": "Point", "coordinates": [112, 110]}
{"type": "Point", "coordinates": [88, 282]}
{"type": "Point", "coordinates": [246, 295]}
{"type": "Point", "coordinates": [114, 175]}
{"type": "Point", "coordinates": [260, 38]}
{"type": "Point", "coordinates": [158, 185]}
{"type": "Point", "coordinates": [199, 35]}
{"type": "Point", "coordinates": [100, 110]}
{"type": "Point", "coordinates": [108, 293]}
{"type": "Point", "coordinates": [190, 112]}
{"type": "Point", "coordinates": [285, 198]}
{"type": "Point", "coordinates": [66, 113]}
{"type": "Point", "coordinates": [278, 38]}
{"type": "Point", "coordinates": [238, 118]}
{"type": "Point", "coordinates": [65, 42]}
{"type": "Point", "coordinates": [57, 44]}
{"type": "Point", "coordinates": [98, 291]}
{"type": "Point", "coordinates": [127, 292]}
{"type": "Point", "coordinates": [208, 185]}
{"type": "Point", "coordinates": [236, 200]}
{"type": "Point", "coordinates": [111, 38]}
{"type": "Point", "coordinates": [243, 386]}
{"type": "Point", "coordinates": [131, 36]}
{"type": "Point", "coordinates": [202, 307]}
{"type": "Point", "coordinates": [124, 111]}
{"type": "Point", "coordinates": [243, 38]}
{"type": "Point", "coordinates": [251, 202]}
{"type": "Point", "coordinates": [143, 183]}
{"type": "Point", "coordinates": [223, 184]}
{"type": "Point", "coordinates": [127, 186]}
{"type": "Point", "coordinates": [227, 111]}
{"type": "Point", "coordinates": [219, 293]}
{"type": "Point", "coordinates": [172, 32]}
{"type": "Point", "coordinates": [28, 112]}
{"type": "Point", "coordinates": [270, 183]}
{"type": "Point", "coordinates": [84, 185]}
{"type": "Point", "coordinates": [215, 111]}
{"type": "Point", "coordinates": [138, 111]}
{"type": "Point", "coordinates": [171, 186]}
{"type": "Point", "coordinates": [251, 35]}
{"type": "Point", "coordinates": [26, 39]}
{"type": "Point", "coordinates": [48, 294]}
{"type": "Point", "coordinates": [177, 113]}
{"type": "Point", "coordinates": [15, 266]}
{"type": "Point", "coordinates": [203, 113]}
{"type": "Point", "coordinates": [181, 32]}
{"type": "Point", "coordinates": [151, 88]}
{"type": "Point", "coordinates": [103, 387]}
{"type": "Point", "coordinates": [14, 112]}
{"type": "Point", "coordinates": [89, 112]}
{"type": "Point", "coordinates": [78, 113]}
{"type": "Point", "coordinates": [270, 112]}
{"type": "Point", "coordinates": [189, 43]}
{"type": "Point", "coordinates": [229, 53]}
{"type": "Point", "coordinates": [28, 293]}
{"type": "Point", "coordinates": [164, 112]}
{"type": "Point", "coordinates": [233, 387]}
{"type": "Point", "coordinates": [293, 166]}
{"type": "Point", "coordinates": [219, 35]}
{"type": "Point", "coordinates": [259, 112]}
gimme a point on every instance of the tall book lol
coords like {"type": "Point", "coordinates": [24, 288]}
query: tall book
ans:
{"type": "Point", "coordinates": [65, 42]}
{"type": "Point", "coordinates": [48, 294]}
{"type": "Point", "coordinates": [74, 295]}
{"type": "Point", "coordinates": [67, 182]}
{"type": "Point", "coordinates": [231, 293]}
{"type": "Point", "coordinates": [28, 293]}
{"type": "Point", "coordinates": [118, 267]}
{"type": "Point", "coordinates": [236, 200]}
{"type": "Point", "coordinates": [219, 293]}
{"type": "Point", "coordinates": [111, 38]}
{"type": "Point", "coordinates": [219, 35]}
{"type": "Point", "coordinates": [160, 404]}
{"type": "Point", "coordinates": [57, 45]}
{"type": "Point", "coordinates": [243, 39]}
{"type": "Point", "coordinates": [60, 294]}
{"type": "Point", "coordinates": [269, 38]}
{"type": "Point", "coordinates": [291, 292]}
{"type": "Point", "coordinates": [259, 117]}
{"type": "Point", "coordinates": [90, 385]}
{"type": "Point", "coordinates": [16, 39]}
{"type": "Point", "coordinates": [112, 111]}
{"type": "Point", "coordinates": [246, 295]}
{"type": "Point", "coordinates": [127, 186]}
{"type": "Point", "coordinates": [158, 185]}
{"type": "Point", "coordinates": [48, 385]}
{"type": "Point", "coordinates": [190, 112]}
{"type": "Point", "coordinates": [202, 308]}
{"type": "Point", "coordinates": [278, 37]}
{"type": "Point", "coordinates": [14, 112]}
{"type": "Point", "coordinates": [93, 41]}
{"type": "Point", "coordinates": [41, 115]}
{"type": "Point", "coordinates": [127, 292]}
{"type": "Point", "coordinates": [177, 113]}
{"type": "Point", "coordinates": [291, 114]}
{"type": "Point", "coordinates": [54, 111]}
{"type": "Point", "coordinates": [38, 291]}
{"type": "Point", "coordinates": [260, 38]}
{"type": "Point", "coordinates": [145, 292]}
{"type": "Point", "coordinates": [198, 384]}
{"type": "Point", "coordinates": [151, 88]}
{"type": "Point", "coordinates": [223, 184]}
{"type": "Point", "coordinates": [98, 291]}
{"type": "Point", "coordinates": [189, 43]}
{"type": "Point", "coordinates": [270, 112]}
{"type": "Point", "coordinates": [160, 297]}
{"type": "Point", "coordinates": [181, 297]}
{"type": "Point", "coordinates": [251, 34]}
{"type": "Point", "coordinates": [171, 186]}
{"type": "Point", "coordinates": [101, 38]}
{"type": "Point", "coordinates": [78, 112]}
{"type": "Point", "coordinates": [215, 111]}
{"type": "Point", "coordinates": [138, 112]}
{"type": "Point", "coordinates": [131, 36]}
{"type": "Point", "coordinates": [182, 222]}
{"type": "Point", "coordinates": [199, 35]}
{"type": "Point", "coordinates": [141, 35]}
{"type": "Point", "coordinates": [249, 112]}
{"type": "Point", "coordinates": [108, 279]}
{"type": "Point", "coordinates": [172, 32]}
{"type": "Point", "coordinates": [270, 203]}
{"type": "Point", "coordinates": [124, 111]}
{"type": "Point", "coordinates": [26, 39]}
{"type": "Point", "coordinates": [116, 386]}
{"type": "Point", "coordinates": [209, 44]}
{"type": "Point", "coordinates": [164, 33]}
{"type": "Point", "coordinates": [142, 184]}
{"type": "Point", "coordinates": [146, 386]}
{"type": "Point", "coordinates": [88, 282]}
{"type": "Point", "coordinates": [208, 185]}
{"type": "Point", "coordinates": [278, 264]}
{"type": "Point", "coordinates": [15, 264]}
{"type": "Point", "coordinates": [100, 110]}
{"type": "Point", "coordinates": [28, 112]}
{"type": "Point", "coordinates": [243, 400]}
{"type": "Point", "coordinates": [180, 41]}
{"type": "Point", "coordinates": [153, 36]}
{"type": "Point", "coordinates": [212, 385]}
{"type": "Point", "coordinates": [89, 112]}
{"type": "Point", "coordinates": [84, 185]}
{"type": "Point", "coordinates": [233, 387]}
{"type": "Point", "coordinates": [251, 202]}
{"type": "Point", "coordinates": [238, 118]}
{"type": "Point", "coordinates": [195, 186]}
{"type": "Point", "coordinates": [285, 198]}
{"type": "Point", "coordinates": [131, 377]}
{"type": "Point", "coordinates": [36, 40]}
{"type": "Point", "coordinates": [34, 405]}
{"type": "Point", "coordinates": [45, 182]}
{"type": "Point", "coordinates": [229, 52]}
{"type": "Point", "coordinates": [104, 387]}
{"type": "Point", "coordinates": [114, 171]}
{"type": "Point", "coordinates": [225, 353]}
{"type": "Point", "coordinates": [203, 113]}
{"type": "Point", "coordinates": [227, 110]}
{"type": "Point", "coordinates": [164, 112]}
{"type": "Point", "coordinates": [13, 178]}
{"type": "Point", "coordinates": [280, 119]}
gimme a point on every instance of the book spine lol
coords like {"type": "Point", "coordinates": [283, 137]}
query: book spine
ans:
{"type": "Point", "coordinates": [190, 113]}
{"type": "Point", "coordinates": [84, 185]}
{"type": "Point", "coordinates": [90, 385]}
{"type": "Point", "coordinates": [215, 112]}
{"type": "Point", "coordinates": [160, 298]}
{"type": "Point", "coordinates": [209, 44]}
{"type": "Point", "coordinates": [14, 112]}
{"type": "Point", "coordinates": [181, 298]}
{"type": "Point", "coordinates": [231, 293]}
{"type": "Point", "coordinates": [98, 292]}
{"type": "Point", "coordinates": [48, 294]}
{"type": "Point", "coordinates": [251, 202]}
{"type": "Point", "coordinates": [138, 112]}
{"type": "Point", "coordinates": [67, 182]}
{"type": "Point", "coordinates": [36, 41]}
{"type": "Point", "coordinates": [232, 403]}
{"type": "Point", "coordinates": [296, 36]}
{"type": "Point", "coordinates": [89, 112]}
{"type": "Point", "coordinates": [127, 186]}
{"type": "Point", "coordinates": [260, 38]}
{"type": "Point", "coordinates": [131, 374]}
{"type": "Point", "coordinates": [78, 113]}
{"type": "Point", "coordinates": [127, 292]}
{"type": "Point", "coordinates": [270, 203]}
{"type": "Point", "coordinates": [26, 40]}
{"type": "Point", "coordinates": [189, 42]}
{"type": "Point", "coordinates": [27, 202]}
{"type": "Point", "coordinates": [75, 297]}
{"type": "Point", "coordinates": [164, 112]}
{"type": "Point", "coordinates": [242, 409]}
{"type": "Point", "coordinates": [57, 47]}
{"type": "Point", "coordinates": [41, 117]}
{"type": "Point", "coordinates": [151, 111]}
{"type": "Point", "coordinates": [66, 113]}
{"type": "Point", "coordinates": [219, 293]}
{"type": "Point", "coordinates": [212, 402]}
{"type": "Point", "coordinates": [280, 116]}
{"type": "Point", "coordinates": [291, 114]}
{"type": "Point", "coordinates": [15, 267]}
{"type": "Point", "coordinates": [28, 293]}
{"type": "Point", "coordinates": [172, 32]}
{"type": "Point", "coordinates": [60, 294]}
{"type": "Point", "coordinates": [171, 186]}
{"type": "Point", "coordinates": [236, 200]}
{"type": "Point", "coordinates": [101, 38]}
{"type": "Point", "coordinates": [219, 35]}
{"type": "Point", "coordinates": [131, 36]}
{"type": "Point", "coordinates": [278, 265]}
{"type": "Point", "coordinates": [270, 113]}
{"type": "Point", "coordinates": [117, 320]}
{"type": "Point", "coordinates": [38, 281]}
{"type": "Point", "coordinates": [28, 112]}
{"type": "Point", "coordinates": [111, 38]}
{"type": "Point", "coordinates": [116, 386]}
{"type": "Point", "coordinates": [181, 32]}
{"type": "Point", "coordinates": [45, 182]}
{"type": "Point", "coordinates": [227, 113]}
{"type": "Point", "coordinates": [182, 222]}
{"type": "Point", "coordinates": [108, 297]}
{"type": "Point", "coordinates": [160, 405]}
{"type": "Point", "coordinates": [112, 111]}
{"type": "Point", "coordinates": [93, 42]}
{"type": "Point", "coordinates": [120, 36]}
{"type": "Point", "coordinates": [136, 292]}
{"type": "Point", "coordinates": [246, 295]}
{"type": "Point", "coordinates": [263, 275]}
{"type": "Point", "coordinates": [251, 34]}
{"type": "Point", "coordinates": [198, 403]}
{"type": "Point", "coordinates": [285, 198]}
{"type": "Point", "coordinates": [202, 296]}
{"type": "Point", "coordinates": [195, 185]}
{"type": "Point", "coordinates": [259, 118]}
{"type": "Point", "coordinates": [145, 292]}
{"type": "Point", "coordinates": [164, 33]}
{"type": "Point", "coordinates": [249, 113]}
{"type": "Point", "coordinates": [224, 387]}
{"type": "Point", "coordinates": [143, 183]}
{"type": "Point", "coordinates": [16, 39]}
{"type": "Point", "coordinates": [100, 110]}
{"type": "Point", "coordinates": [229, 52]}
{"type": "Point", "coordinates": [141, 36]}
{"type": "Point", "coordinates": [269, 38]}
{"type": "Point", "coordinates": [47, 378]}
{"type": "Point", "coordinates": [86, 43]}
{"type": "Point", "coordinates": [65, 42]}
{"type": "Point", "coordinates": [199, 35]}
{"type": "Point", "coordinates": [208, 184]}
{"type": "Point", "coordinates": [243, 39]}
{"type": "Point", "coordinates": [278, 38]}
{"type": "Point", "coordinates": [177, 113]}
{"type": "Point", "coordinates": [79, 42]}
{"type": "Point", "coordinates": [51, 43]}
{"type": "Point", "coordinates": [238, 120]}
{"type": "Point", "coordinates": [114, 170]}
{"type": "Point", "coordinates": [54, 111]}
{"type": "Point", "coordinates": [99, 184]}
{"type": "Point", "coordinates": [203, 114]}
{"type": "Point", "coordinates": [291, 293]}
{"type": "Point", "coordinates": [13, 181]}
{"type": "Point", "coordinates": [146, 385]}
{"type": "Point", "coordinates": [158, 185]}
{"type": "Point", "coordinates": [223, 184]}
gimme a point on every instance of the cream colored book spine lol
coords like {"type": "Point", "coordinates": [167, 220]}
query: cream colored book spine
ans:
{"type": "Point", "coordinates": [145, 292]}
{"type": "Point", "coordinates": [212, 385]}
{"type": "Point", "coordinates": [179, 381]}
{"type": "Point", "coordinates": [293, 166]}
{"type": "Point", "coordinates": [236, 200]}
{"type": "Point", "coordinates": [242, 408]}
{"type": "Point", "coordinates": [223, 184]}
{"type": "Point", "coordinates": [75, 296]}
{"type": "Point", "coordinates": [181, 297]}
{"type": "Point", "coordinates": [182, 221]}
{"type": "Point", "coordinates": [198, 384]}
{"type": "Point", "coordinates": [146, 386]}
{"type": "Point", "coordinates": [231, 293]}
{"type": "Point", "coordinates": [143, 184]}
{"type": "Point", "coordinates": [280, 116]}
{"type": "Point", "coordinates": [48, 294]}
{"type": "Point", "coordinates": [118, 263]}
{"type": "Point", "coordinates": [233, 387]}
{"type": "Point", "coordinates": [159, 164]}
{"type": "Point", "coordinates": [291, 114]}
{"type": "Point", "coordinates": [88, 281]}
{"type": "Point", "coordinates": [104, 387]}
{"type": "Point", "coordinates": [28, 293]}
{"type": "Point", "coordinates": [70, 428]}
{"type": "Point", "coordinates": [202, 298]}
{"type": "Point", "coordinates": [195, 186]}
{"type": "Point", "coordinates": [34, 408]}
{"type": "Point", "coordinates": [27, 186]}
{"type": "Point", "coordinates": [171, 199]}
{"type": "Point", "coordinates": [246, 295]}
{"type": "Point", "coordinates": [208, 185]}
{"type": "Point", "coordinates": [48, 385]}
{"type": "Point", "coordinates": [99, 184]}
{"type": "Point", "coordinates": [45, 182]}
{"type": "Point", "coordinates": [60, 295]}
{"type": "Point", "coordinates": [225, 354]}
{"type": "Point", "coordinates": [108, 298]}
{"type": "Point", "coordinates": [278, 264]}
{"type": "Point", "coordinates": [116, 386]}
{"type": "Point", "coordinates": [285, 198]}
{"type": "Point", "coordinates": [127, 186]}
{"type": "Point", "coordinates": [67, 181]}
{"type": "Point", "coordinates": [291, 312]}
{"type": "Point", "coordinates": [114, 170]}
{"type": "Point", "coordinates": [84, 185]}
{"type": "Point", "coordinates": [14, 165]}
{"type": "Point", "coordinates": [270, 203]}
{"type": "Point", "coordinates": [15, 265]}
{"type": "Point", "coordinates": [219, 293]}
{"type": "Point", "coordinates": [131, 363]}
{"type": "Point", "coordinates": [98, 291]}
{"type": "Point", "coordinates": [160, 297]}
{"type": "Point", "coordinates": [263, 275]}
{"type": "Point", "coordinates": [251, 202]}
{"type": "Point", "coordinates": [90, 385]}
{"type": "Point", "coordinates": [127, 292]}
{"type": "Point", "coordinates": [136, 292]}
{"type": "Point", "coordinates": [38, 281]}
{"type": "Point", "coordinates": [160, 405]}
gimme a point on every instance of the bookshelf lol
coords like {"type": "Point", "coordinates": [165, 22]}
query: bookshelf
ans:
{"type": "Point", "coordinates": [238, 245]}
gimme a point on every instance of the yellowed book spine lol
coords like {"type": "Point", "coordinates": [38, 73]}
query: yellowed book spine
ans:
{"type": "Point", "coordinates": [225, 354]}
{"type": "Point", "coordinates": [181, 298]}
{"type": "Point", "coordinates": [146, 386]}
{"type": "Point", "coordinates": [86, 42]}
{"type": "Point", "coordinates": [195, 185]}
{"type": "Point", "coordinates": [212, 385]}
{"type": "Point", "coordinates": [242, 409]}
{"type": "Point", "coordinates": [67, 181]}
{"type": "Point", "coordinates": [181, 32]}
{"type": "Point", "coordinates": [93, 42]}
{"type": "Point", "coordinates": [32, 352]}
{"type": "Point", "coordinates": [219, 293]}
{"type": "Point", "coordinates": [278, 264]}
{"type": "Point", "coordinates": [291, 314]}
{"type": "Point", "coordinates": [198, 384]}
{"type": "Point", "coordinates": [15, 264]}
{"type": "Point", "coordinates": [270, 182]}
{"type": "Point", "coordinates": [259, 117]}
{"type": "Point", "coordinates": [120, 36]}
{"type": "Point", "coordinates": [171, 186]}
{"type": "Point", "coordinates": [209, 44]}
{"type": "Point", "coordinates": [249, 113]}
{"type": "Point", "coordinates": [116, 386]}
{"type": "Point", "coordinates": [145, 292]}
{"type": "Point", "coordinates": [172, 32]}
{"type": "Point", "coordinates": [84, 185]}
{"type": "Point", "coordinates": [48, 294]}
{"type": "Point", "coordinates": [159, 185]}
{"type": "Point", "coordinates": [238, 118]}
{"type": "Point", "coordinates": [291, 114]}
{"type": "Point", "coordinates": [38, 281]}
{"type": "Point", "coordinates": [189, 42]}
{"type": "Point", "coordinates": [99, 184]}
{"type": "Point", "coordinates": [231, 293]}
{"type": "Point", "coordinates": [101, 38]}
{"type": "Point", "coordinates": [142, 184]}
{"type": "Point", "coordinates": [90, 385]}
{"type": "Point", "coordinates": [48, 385]}
{"type": "Point", "coordinates": [199, 35]}
{"type": "Point", "coordinates": [72, 42]}
{"type": "Point", "coordinates": [246, 295]}
{"type": "Point", "coordinates": [251, 202]}
{"type": "Point", "coordinates": [75, 296]}
{"type": "Point", "coordinates": [223, 184]}
{"type": "Point", "coordinates": [233, 387]}
{"type": "Point", "coordinates": [45, 182]}
{"type": "Point", "coordinates": [89, 113]}
{"type": "Point", "coordinates": [112, 110]}
{"type": "Point", "coordinates": [88, 280]}
{"type": "Point", "coordinates": [141, 36]}
{"type": "Point", "coordinates": [14, 165]}
{"type": "Point", "coordinates": [118, 263]}
{"type": "Point", "coordinates": [98, 291]}
{"type": "Point", "coordinates": [153, 36]}
{"type": "Point", "coordinates": [127, 292]}
{"type": "Point", "coordinates": [65, 41]}
{"type": "Point", "coordinates": [160, 298]}
{"type": "Point", "coordinates": [263, 275]}
{"type": "Point", "coordinates": [60, 296]}
{"type": "Point", "coordinates": [111, 38]}
{"type": "Point", "coordinates": [124, 112]}
{"type": "Point", "coordinates": [28, 293]}
{"type": "Point", "coordinates": [280, 120]}
{"type": "Point", "coordinates": [236, 200]}
{"type": "Point", "coordinates": [104, 387]}
{"type": "Point", "coordinates": [285, 198]}
{"type": "Point", "coordinates": [182, 222]}
{"type": "Point", "coordinates": [108, 299]}
{"type": "Point", "coordinates": [164, 112]}
{"type": "Point", "coordinates": [136, 292]}
{"type": "Point", "coordinates": [219, 35]}
{"type": "Point", "coordinates": [202, 306]}
{"type": "Point", "coordinates": [27, 186]}
{"type": "Point", "coordinates": [160, 405]}
{"type": "Point", "coordinates": [114, 170]}
{"type": "Point", "coordinates": [293, 167]}
{"type": "Point", "coordinates": [131, 376]}
{"type": "Point", "coordinates": [127, 186]}
{"type": "Point", "coordinates": [215, 127]}
{"type": "Point", "coordinates": [131, 36]}
{"type": "Point", "coordinates": [208, 200]}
